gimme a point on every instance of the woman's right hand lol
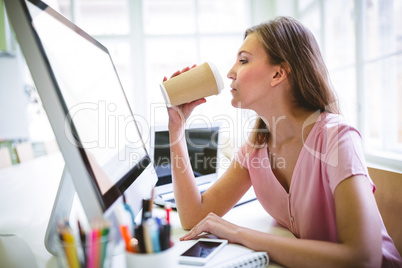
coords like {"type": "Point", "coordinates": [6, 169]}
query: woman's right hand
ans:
{"type": "Point", "coordinates": [179, 114]}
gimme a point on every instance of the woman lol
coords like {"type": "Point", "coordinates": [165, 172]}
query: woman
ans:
{"type": "Point", "coordinates": [320, 189]}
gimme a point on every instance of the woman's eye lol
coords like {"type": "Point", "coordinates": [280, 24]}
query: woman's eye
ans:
{"type": "Point", "coordinates": [243, 61]}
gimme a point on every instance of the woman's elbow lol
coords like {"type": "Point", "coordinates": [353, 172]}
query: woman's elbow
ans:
{"type": "Point", "coordinates": [186, 226]}
{"type": "Point", "coordinates": [370, 259]}
{"type": "Point", "coordinates": [187, 223]}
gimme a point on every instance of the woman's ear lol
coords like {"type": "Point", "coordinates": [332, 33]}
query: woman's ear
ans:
{"type": "Point", "coordinates": [278, 77]}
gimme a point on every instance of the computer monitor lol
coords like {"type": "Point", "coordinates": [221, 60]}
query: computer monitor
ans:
{"type": "Point", "coordinates": [94, 126]}
{"type": "Point", "coordinates": [203, 142]}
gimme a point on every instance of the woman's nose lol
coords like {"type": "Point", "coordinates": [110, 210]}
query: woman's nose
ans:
{"type": "Point", "coordinates": [231, 74]}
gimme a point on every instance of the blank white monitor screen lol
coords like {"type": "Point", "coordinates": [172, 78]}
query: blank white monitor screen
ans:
{"type": "Point", "coordinates": [96, 107]}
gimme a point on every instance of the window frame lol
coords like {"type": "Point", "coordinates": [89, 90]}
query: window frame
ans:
{"type": "Point", "coordinates": [377, 157]}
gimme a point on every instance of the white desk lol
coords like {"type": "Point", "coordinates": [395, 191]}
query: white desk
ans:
{"type": "Point", "coordinates": [27, 193]}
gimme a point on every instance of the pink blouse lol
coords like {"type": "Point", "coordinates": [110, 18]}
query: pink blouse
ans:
{"type": "Point", "coordinates": [331, 153]}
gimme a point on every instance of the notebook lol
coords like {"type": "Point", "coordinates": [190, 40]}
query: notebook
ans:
{"type": "Point", "coordinates": [248, 260]}
{"type": "Point", "coordinates": [233, 256]}
{"type": "Point", "coordinates": [203, 143]}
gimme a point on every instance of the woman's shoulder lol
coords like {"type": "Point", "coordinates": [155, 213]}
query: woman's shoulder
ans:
{"type": "Point", "coordinates": [333, 124]}
{"type": "Point", "coordinates": [249, 148]}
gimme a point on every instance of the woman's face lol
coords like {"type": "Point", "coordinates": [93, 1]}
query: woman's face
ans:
{"type": "Point", "coordinates": [251, 74]}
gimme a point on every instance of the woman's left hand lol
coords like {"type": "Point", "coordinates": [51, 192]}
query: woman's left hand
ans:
{"type": "Point", "coordinates": [215, 225]}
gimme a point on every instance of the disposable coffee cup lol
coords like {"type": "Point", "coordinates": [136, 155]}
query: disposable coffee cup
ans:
{"type": "Point", "coordinates": [199, 82]}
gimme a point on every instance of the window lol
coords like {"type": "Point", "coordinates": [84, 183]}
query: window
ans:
{"type": "Point", "coordinates": [362, 45]}
{"type": "Point", "coordinates": [340, 43]}
{"type": "Point", "coordinates": [150, 39]}
{"type": "Point", "coordinates": [382, 63]}
{"type": "Point", "coordinates": [180, 33]}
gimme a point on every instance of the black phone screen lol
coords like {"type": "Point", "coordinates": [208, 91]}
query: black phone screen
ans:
{"type": "Point", "coordinates": [201, 249]}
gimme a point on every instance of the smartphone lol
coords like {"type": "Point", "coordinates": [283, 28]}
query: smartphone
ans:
{"type": "Point", "coordinates": [202, 251]}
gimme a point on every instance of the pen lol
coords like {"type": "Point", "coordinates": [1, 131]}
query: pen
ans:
{"type": "Point", "coordinates": [126, 236]}
{"type": "Point", "coordinates": [127, 207]}
{"type": "Point", "coordinates": [60, 244]}
{"type": "Point", "coordinates": [70, 250]}
{"type": "Point", "coordinates": [92, 250]}
{"type": "Point", "coordinates": [151, 202]}
{"type": "Point", "coordinates": [134, 243]}
{"type": "Point", "coordinates": [164, 235]}
{"type": "Point", "coordinates": [147, 238]}
{"type": "Point", "coordinates": [104, 241]}
{"type": "Point", "coordinates": [83, 242]}
{"type": "Point", "coordinates": [98, 248]}
{"type": "Point", "coordinates": [145, 209]}
{"type": "Point", "coordinates": [139, 235]}
{"type": "Point", "coordinates": [153, 229]}
{"type": "Point", "coordinates": [168, 208]}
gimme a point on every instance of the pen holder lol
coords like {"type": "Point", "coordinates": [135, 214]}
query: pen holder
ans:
{"type": "Point", "coordinates": [95, 254]}
{"type": "Point", "coordinates": [166, 259]}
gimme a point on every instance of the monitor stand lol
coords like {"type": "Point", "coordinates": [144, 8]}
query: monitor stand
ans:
{"type": "Point", "coordinates": [61, 209]}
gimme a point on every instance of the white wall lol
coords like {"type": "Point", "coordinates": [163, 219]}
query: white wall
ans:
{"type": "Point", "coordinates": [13, 103]}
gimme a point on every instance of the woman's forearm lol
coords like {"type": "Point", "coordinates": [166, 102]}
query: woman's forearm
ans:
{"type": "Point", "coordinates": [293, 252]}
{"type": "Point", "coordinates": [187, 195]}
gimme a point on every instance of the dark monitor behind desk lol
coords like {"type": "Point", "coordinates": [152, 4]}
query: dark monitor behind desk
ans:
{"type": "Point", "coordinates": [203, 144]}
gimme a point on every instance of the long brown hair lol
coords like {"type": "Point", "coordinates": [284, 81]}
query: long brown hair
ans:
{"type": "Point", "coordinates": [287, 41]}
